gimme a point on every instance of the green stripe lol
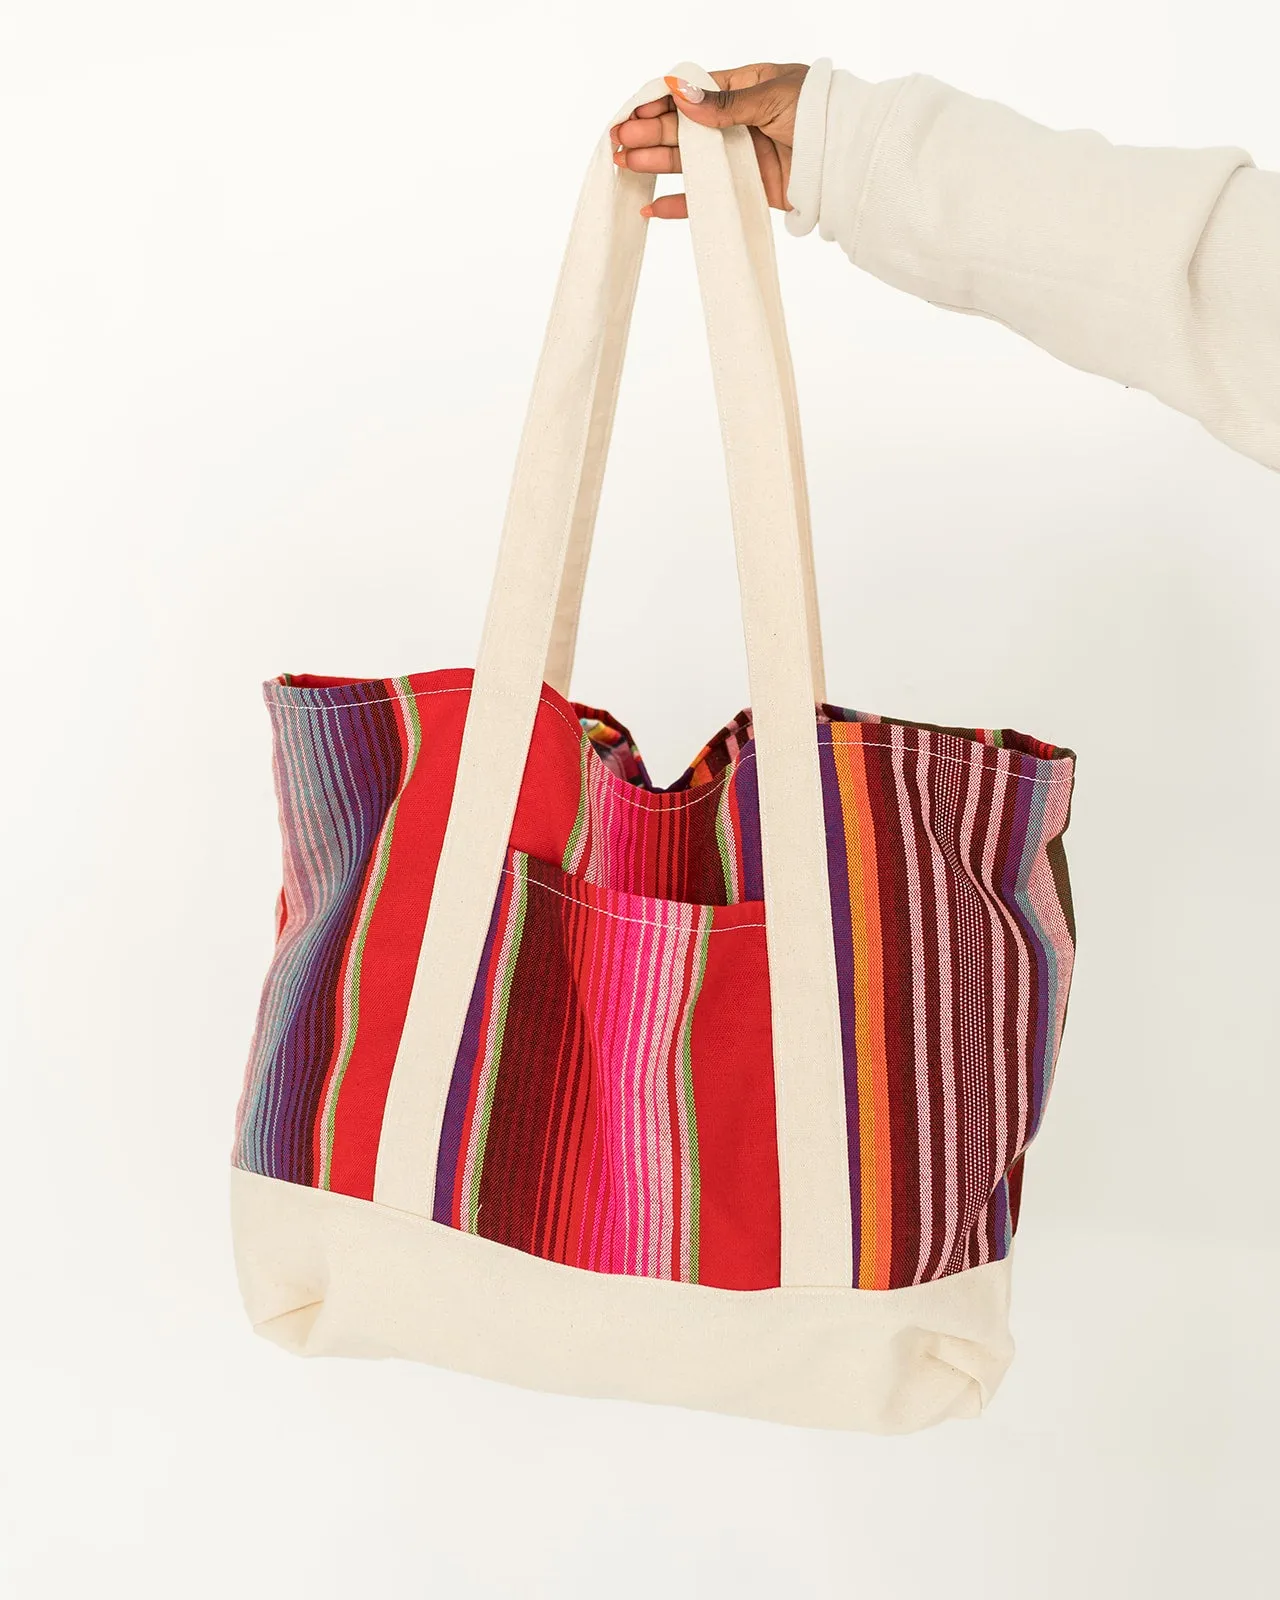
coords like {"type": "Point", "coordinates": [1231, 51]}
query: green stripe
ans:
{"type": "Point", "coordinates": [723, 843]}
{"type": "Point", "coordinates": [515, 921]}
{"type": "Point", "coordinates": [691, 1115]}
{"type": "Point", "coordinates": [381, 862]}
{"type": "Point", "coordinates": [580, 822]}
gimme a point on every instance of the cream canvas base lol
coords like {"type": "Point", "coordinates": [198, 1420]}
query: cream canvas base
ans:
{"type": "Point", "coordinates": [325, 1274]}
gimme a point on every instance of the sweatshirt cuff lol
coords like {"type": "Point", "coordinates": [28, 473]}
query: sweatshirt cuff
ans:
{"type": "Point", "coordinates": [839, 122]}
{"type": "Point", "coordinates": [804, 187]}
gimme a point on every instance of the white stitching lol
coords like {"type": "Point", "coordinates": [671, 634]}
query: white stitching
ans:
{"type": "Point", "coordinates": [961, 761]}
{"type": "Point", "coordinates": [669, 927]}
{"type": "Point", "coordinates": [349, 705]}
{"type": "Point", "coordinates": [714, 783]}
{"type": "Point", "coordinates": [710, 789]}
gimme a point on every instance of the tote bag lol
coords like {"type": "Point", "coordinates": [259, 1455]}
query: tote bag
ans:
{"type": "Point", "coordinates": [714, 1095]}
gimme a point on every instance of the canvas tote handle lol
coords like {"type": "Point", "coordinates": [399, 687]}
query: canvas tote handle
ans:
{"type": "Point", "coordinates": [634, 189]}
{"type": "Point", "coordinates": [566, 428]}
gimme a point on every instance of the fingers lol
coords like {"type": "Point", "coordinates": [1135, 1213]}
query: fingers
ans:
{"type": "Point", "coordinates": [667, 208]}
{"type": "Point", "coordinates": [650, 143]}
{"type": "Point", "coordinates": [639, 133]}
{"type": "Point", "coordinates": [649, 140]}
{"type": "Point", "coordinates": [637, 130]}
{"type": "Point", "coordinates": [658, 159]}
{"type": "Point", "coordinates": [762, 96]}
{"type": "Point", "coordinates": [654, 108]}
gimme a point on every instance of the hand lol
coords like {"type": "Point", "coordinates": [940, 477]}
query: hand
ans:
{"type": "Point", "coordinates": [762, 98]}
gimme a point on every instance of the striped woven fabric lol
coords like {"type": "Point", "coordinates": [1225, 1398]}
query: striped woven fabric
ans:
{"type": "Point", "coordinates": [595, 1160]}
{"type": "Point", "coordinates": [612, 1101]}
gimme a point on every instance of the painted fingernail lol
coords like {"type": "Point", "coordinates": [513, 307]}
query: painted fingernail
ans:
{"type": "Point", "coordinates": [619, 157]}
{"type": "Point", "coordinates": [646, 211]}
{"type": "Point", "coordinates": [686, 91]}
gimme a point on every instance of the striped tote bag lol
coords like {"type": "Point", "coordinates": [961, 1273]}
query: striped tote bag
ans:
{"type": "Point", "coordinates": [715, 1095]}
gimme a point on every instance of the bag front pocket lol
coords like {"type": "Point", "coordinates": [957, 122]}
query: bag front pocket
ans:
{"type": "Point", "coordinates": [611, 1106]}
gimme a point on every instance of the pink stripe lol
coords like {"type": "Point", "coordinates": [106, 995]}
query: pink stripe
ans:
{"type": "Point", "coordinates": [998, 921]}
{"type": "Point", "coordinates": [920, 1038]}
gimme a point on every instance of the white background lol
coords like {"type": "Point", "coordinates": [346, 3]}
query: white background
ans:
{"type": "Point", "coordinates": [273, 280]}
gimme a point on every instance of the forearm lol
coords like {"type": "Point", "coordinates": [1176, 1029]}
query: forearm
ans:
{"type": "Point", "coordinates": [1158, 268]}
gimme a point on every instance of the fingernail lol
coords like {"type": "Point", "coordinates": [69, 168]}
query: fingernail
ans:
{"type": "Point", "coordinates": [686, 91]}
{"type": "Point", "coordinates": [619, 157]}
{"type": "Point", "coordinates": [646, 211]}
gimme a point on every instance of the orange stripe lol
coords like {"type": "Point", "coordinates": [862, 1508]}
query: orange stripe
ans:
{"type": "Point", "coordinates": [868, 991]}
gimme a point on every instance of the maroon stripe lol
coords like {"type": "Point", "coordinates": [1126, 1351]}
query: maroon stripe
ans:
{"type": "Point", "coordinates": [558, 1167]}
{"type": "Point", "coordinates": [535, 1023]}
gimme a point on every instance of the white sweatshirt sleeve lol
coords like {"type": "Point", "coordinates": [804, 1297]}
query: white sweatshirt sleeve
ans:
{"type": "Point", "coordinates": [1159, 268]}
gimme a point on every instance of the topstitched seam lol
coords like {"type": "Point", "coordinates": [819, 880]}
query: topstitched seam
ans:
{"type": "Point", "coordinates": [580, 737]}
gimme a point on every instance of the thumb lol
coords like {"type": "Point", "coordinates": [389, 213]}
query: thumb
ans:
{"type": "Point", "coordinates": [751, 107]}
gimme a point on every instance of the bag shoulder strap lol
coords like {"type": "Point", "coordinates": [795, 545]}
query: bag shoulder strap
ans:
{"type": "Point", "coordinates": [758, 232]}
{"type": "Point", "coordinates": [547, 525]}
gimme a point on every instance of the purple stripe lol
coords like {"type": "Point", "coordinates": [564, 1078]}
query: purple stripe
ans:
{"type": "Point", "coordinates": [842, 927]}
{"type": "Point", "coordinates": [747, 783]}
{"type": "Point", "coordinates": [455, 1109]}
{"type": "Point", "coordinates": [334, 787]}
{"type": "Point", "coordinates": [998, 1221]}
{"type": "Point", "coordinates": [1018, 862]}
